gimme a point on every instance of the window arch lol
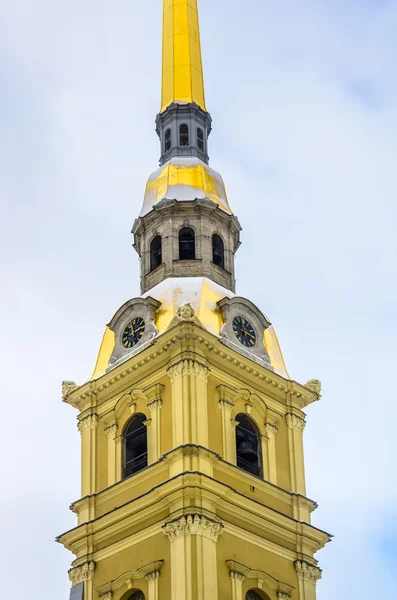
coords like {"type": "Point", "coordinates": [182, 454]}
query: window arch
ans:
{"type": "Point", "coordinates": [167, 140]}
{"type": "Point", "coordinates": [183, 135]}
{"type": "Point", "coordinates": [135, 446]}
{"type": "Point", "coordinates": [248, 446]}
{"type": "Point", "coordinates": [218, 251]}
{"type": "Point", "coordinates": [155, 253]}
{"type": "Point", "coordinates": [187, 244]}
{"type": "Point", "coordinates": [200, 139]}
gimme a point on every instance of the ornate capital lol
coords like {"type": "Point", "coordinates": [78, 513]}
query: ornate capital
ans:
{"type": "Point", "coordinates": [82, 573]}
{"type": "Point", "coordinates": [294, 422]}
{"type": "Point", "coordinates": [88, 423]}
{"type": "Point", "coordinates": [225, 405]}
{"type": "Point", "coordinates": [153, 576]}
{"type": "Point", "coordinates": [152, 406]}
{"type": "Point", "coordinates": [67, 388]}
{"type": "Point", "coordinates": [188, 367]}
{"type": "Point", "coordinates": [106, 596]}
{"type": "Point", "coordinates": [236, 576]}
{"type": "Point", "coordinates": [270, 429]}
{"type": "Point", "coordinates": [111, 431]}
{"type": "Point", "coordinates": [283, 596]}
{"type": "Point", "coordinates": [307, 572]}
{"type": "Point", "coordinates": [193, 525]}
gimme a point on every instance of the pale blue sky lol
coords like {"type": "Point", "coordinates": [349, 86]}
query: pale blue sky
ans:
{"type": "Point", "coordinates": [303, 95]}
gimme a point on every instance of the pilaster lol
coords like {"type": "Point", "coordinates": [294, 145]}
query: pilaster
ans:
{"type": "Point", "coordinates": [296, 426]}
{"type": "Point", "coordinates": [270, 452]}
{"type": "Point", "coordinates": [87, 427]}
{"type": "Point", "coordinates": [189, 403]}
{"type": "Point", "coordinates": [308, 576]}
{"type": "Point", "coordinates": [153, 585]}
{"type": "Point", "coordinates": [228, 431]}
{"type": "Point", "coordinates": [180, 533]}
{"type": "Point", "coordinates": [111, 432]}
{"type": "Point", "coordinates": [236, 580]}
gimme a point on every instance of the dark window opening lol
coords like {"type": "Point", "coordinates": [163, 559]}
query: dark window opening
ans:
{"type": "Point", "coordinates": [155, 253]}
{"type": "Point", "coordinates": [167, 140]}
{"type": "Point", "coordinates": [200, 139]}
{"type": "Point", "coordinates": [218, 251]}
{"type": "Point", "coordinates": [135, 446]}
{"type": "Point", "coordinates": [187, 244]}
{"type": "Point", "coordinates": [183, 135]}
{"type": "Point", "coordinates": [248, 446]}
{"type": "Point", "coordinates": [138, 595]}
{"type": "Point", "coordinates": [251, 595]}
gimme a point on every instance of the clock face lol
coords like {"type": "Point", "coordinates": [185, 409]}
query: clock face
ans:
{"type": "Point", "coordinates": [244, 332]}
{"type": "Point", "coordinates": [133, 332]}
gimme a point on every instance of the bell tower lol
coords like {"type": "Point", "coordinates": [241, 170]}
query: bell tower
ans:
{"type": "Point", "coordinates": [192, 466]}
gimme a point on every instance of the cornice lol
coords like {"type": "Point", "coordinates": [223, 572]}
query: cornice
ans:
{"type": "Point", "coordinates": [230, 362]}
{"type": "Point", "coordinates": [193, 524]}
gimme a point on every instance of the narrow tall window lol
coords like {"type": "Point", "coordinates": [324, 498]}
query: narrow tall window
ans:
{"type": "Point", "coordinates": [200, 139]}
{"type": "Point", "coordinates": [248, 446]}
{"type": "Point", "coordinates": [187, 244]}
{"type": "Point", "coordinates": [183, 135]}
{"type": "Point", "coordinates": [218, 251]}
{"type": "Point", "coordinates": [155, 253]}
{"type": "Point", "coordinates": [167, 140]}
{"type": "Point", "coordinates": [135, 446]}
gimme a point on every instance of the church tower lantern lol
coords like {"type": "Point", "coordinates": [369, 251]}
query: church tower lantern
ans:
{"type": "Point", "coordinates": [192, 466]}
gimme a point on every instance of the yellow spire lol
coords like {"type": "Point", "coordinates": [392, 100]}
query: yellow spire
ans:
{"type": "Point", "coordinates": [182, 66]}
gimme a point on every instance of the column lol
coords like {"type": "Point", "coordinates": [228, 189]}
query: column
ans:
{"type": "Point", "coordinates": [154, 404]}
{"type": "Point", "coordinates": [178, 417]}
{"type": "Point", "coordinates": [153, 585]}
{"type": "Point", "coordinates": [270, 450]}
{"type": "Point", "coordinates": [88, 430]}
{"type": "Point", "coordinates": [308, 575]}
{"type": "Point", "coordinates": [199, 405]}
{"type": "Point", "coordinates": [181, 534]}
{"type": "Point", "coordinates": [237, 579]}
{"type": "Point", "coordinates": [296, 426]}
{"type": "Point", "coordinates": [111, 432]}
{"type": "Point", "coordinates": [228, 432]}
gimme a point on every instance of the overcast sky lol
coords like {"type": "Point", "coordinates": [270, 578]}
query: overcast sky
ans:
{"type": "Point", "coordinates": [303, 95]}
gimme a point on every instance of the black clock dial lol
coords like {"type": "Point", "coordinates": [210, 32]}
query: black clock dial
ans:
{"type": "Point", "coordinates": [133, 332]}
{"type": "Point", "coordinates": [244, 332]}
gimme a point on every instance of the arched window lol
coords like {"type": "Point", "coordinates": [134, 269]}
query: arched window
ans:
{"type": "Point", "coordinates": [183, 135]}
{"type": "Point", "coordinates": [155, 253]}
{"type": "Point", "coordinates": [187, 244]}
{"type": "Point", "coordinates": [135, 446]}
{"type": "Point", "coordinates": [167, 140]}
{"type": "Point", "coordinates": [218, 251]}
{"type": "Point", "coordinates": [200, 139]}
{"type": "Point", "coordinates": [248, 446]}
{"type": "Point", "coordinates": [138, 595]}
